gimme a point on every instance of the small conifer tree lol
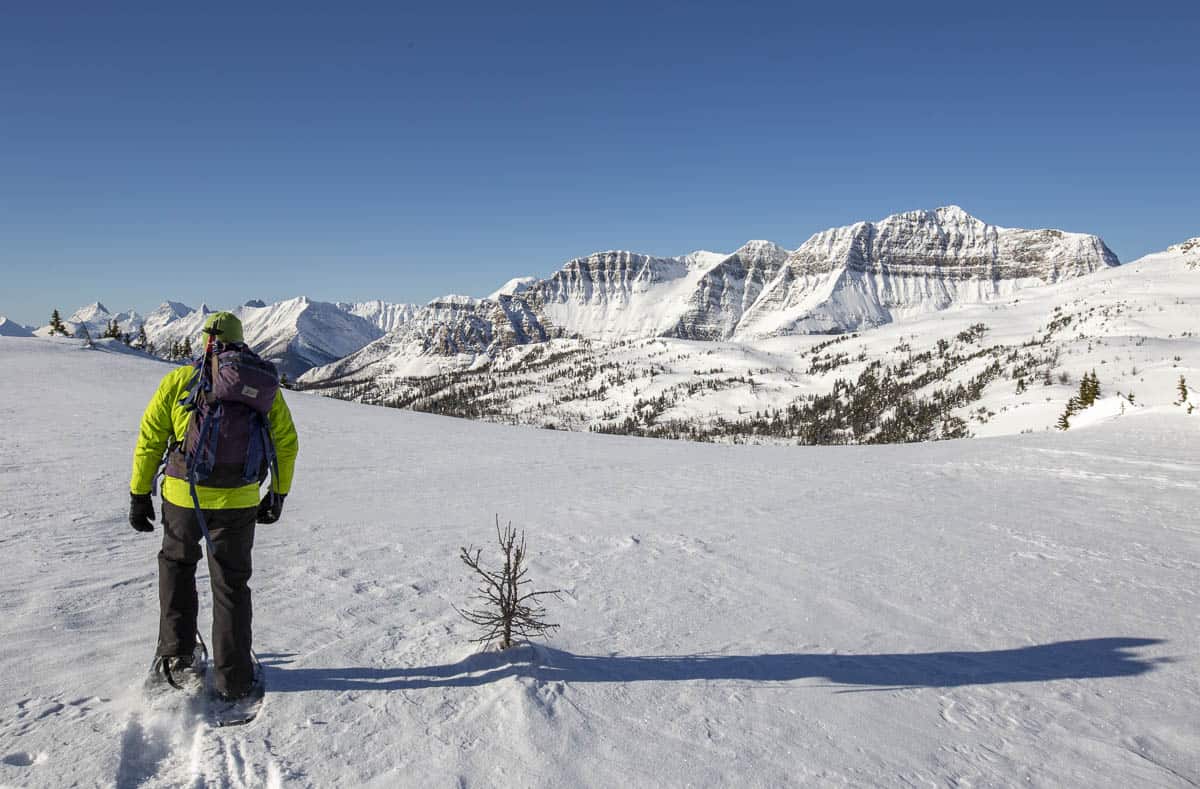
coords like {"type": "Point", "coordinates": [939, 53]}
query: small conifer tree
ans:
{"type": "Point", "coordinates": [56, 324]}
{"type": "Point", "coordinates": [141, 342]}
{"type": "Point", "coordinates": [187, 348]}
{"type": "Point", "coordinates": [1183, 390]}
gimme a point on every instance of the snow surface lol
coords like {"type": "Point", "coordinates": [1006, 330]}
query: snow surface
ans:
{"type": "Point", "coordinates": [996, 612]}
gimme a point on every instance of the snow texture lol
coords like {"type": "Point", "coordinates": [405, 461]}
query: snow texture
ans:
{"type": "Point", "coordinates": [1008, 611]}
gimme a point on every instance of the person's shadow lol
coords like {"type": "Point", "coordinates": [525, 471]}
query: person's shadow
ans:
{"type": "Point", "coordinates": [1083, 659]}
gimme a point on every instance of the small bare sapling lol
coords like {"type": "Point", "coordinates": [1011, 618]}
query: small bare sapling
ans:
{"type": "Point", "coordinates": [505, 606]}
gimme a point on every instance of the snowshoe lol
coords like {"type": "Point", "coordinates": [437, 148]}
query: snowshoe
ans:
{"type": "Point", "coordinates": [240, 709]}
{"type": "Point", "coordinates": [182, 672]}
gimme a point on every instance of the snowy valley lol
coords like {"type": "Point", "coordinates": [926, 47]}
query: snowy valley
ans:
{"type": "Point", "coordinates": [1017, 608]}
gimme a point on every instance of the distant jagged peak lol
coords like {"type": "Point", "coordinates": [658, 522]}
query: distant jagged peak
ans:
{"type": "Point", "coordinates": [255, 303]}
{"type": "Point", "coordinates": [176, 308]}
{"type": "Point", "coordinates": [760, 248]}
{"type": "Point", "coordinates": [13, 329]}
{"type": "Point", "coordinates": [296, 301]}
{"type": "Point", "coordinates": [954, 213]}
{"type": "Point", "coordinates": [512, 287]}
{"type": "Point", "coordinates": [454, 300]}
{"type": "Point", "coordinates": [946, 215]}
{"type": "Point", "coordinates": [89, 313]}
{"type": "Point", "coordinates": [703, 258]}
{"type": "Point", "coordinates": [619, 254]}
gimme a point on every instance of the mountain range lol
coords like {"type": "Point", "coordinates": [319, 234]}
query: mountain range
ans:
{"type": "Point", "coordinates": [841, 281]}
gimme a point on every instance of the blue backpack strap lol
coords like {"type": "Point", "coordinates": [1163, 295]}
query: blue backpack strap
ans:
{"type": "Point", "coordinates": [207, 426]}
{"type": "Point", "coordinates": [256, 450]}
{"type": "Point", "coordinates": [272, 459]}
{"type": "Point", "coordinates": [204, 456]}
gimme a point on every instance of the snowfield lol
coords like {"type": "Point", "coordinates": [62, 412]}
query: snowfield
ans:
{"type": "Point", "coordinates": [1016, 610]}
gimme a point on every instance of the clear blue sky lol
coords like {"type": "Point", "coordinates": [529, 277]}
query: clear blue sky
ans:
{"type": "Point", "coordinates": [352, 150]}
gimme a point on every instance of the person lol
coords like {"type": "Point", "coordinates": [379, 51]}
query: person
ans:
{"type": "Point", "coordinates": [230, 513]}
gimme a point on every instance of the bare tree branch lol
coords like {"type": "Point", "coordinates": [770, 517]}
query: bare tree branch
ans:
{"type": "Point", "coordinates": [501, 592]}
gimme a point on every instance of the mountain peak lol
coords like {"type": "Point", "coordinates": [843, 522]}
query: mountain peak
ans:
{"type": "Point", "coordinates": [92, 312]}
{"type": "Point", "coordinates": [759, 247]}
{"type": "Point", "coordinates": [177, 308]}
{"type": "Point", "coordinates": [953, 213]}
{"type": "Point", "coordinates": [1191, 245]}
{"type": "Point", "coordinates": [945, 214]}
{"type": "Point", "coordinates": [512, 287]}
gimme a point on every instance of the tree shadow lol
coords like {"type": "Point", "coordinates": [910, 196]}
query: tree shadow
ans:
{"type": "Point", "coordinates": [1084, 659]}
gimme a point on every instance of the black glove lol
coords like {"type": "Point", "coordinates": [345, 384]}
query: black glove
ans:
{"type": "Point", "coordinates": [141, 512]}
{"type": "Point", "coordinates": [271, 507]}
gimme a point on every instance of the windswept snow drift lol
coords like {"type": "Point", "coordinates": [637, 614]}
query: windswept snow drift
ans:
{"type": "Point", "coordinates": [995, 612]}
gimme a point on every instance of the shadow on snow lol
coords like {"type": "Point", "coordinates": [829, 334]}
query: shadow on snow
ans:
{"type": "Point", "coordinates": [1084, 659]}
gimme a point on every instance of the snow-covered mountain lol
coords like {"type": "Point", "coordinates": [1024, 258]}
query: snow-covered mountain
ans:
{"type": "Point", "coordinates": [95, 318]}
{"type": "Point", "coordinates": [12, 329]}
{"type": "Point", "coordinates": [999, 366]}
{"type": "Point", "coordinates": [296, 334]}
{"type": "Point", "coordinates": [299, 334]}
{"type": "Point", "coordinates": [840, 280]}
{"type": "Point", "coordinates": [868, 274]}
{"type": "Point", "coordinates": [387, 316]}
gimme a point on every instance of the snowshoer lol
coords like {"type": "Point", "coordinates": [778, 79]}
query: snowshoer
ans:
{"type": "Point", "coordinates": [218, 445]}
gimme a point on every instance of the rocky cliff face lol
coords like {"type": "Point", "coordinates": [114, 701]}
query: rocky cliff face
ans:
{"type": "Point", "coordinates": [869, 273]}
{"type": "Point", "coordinates": [727, 291]}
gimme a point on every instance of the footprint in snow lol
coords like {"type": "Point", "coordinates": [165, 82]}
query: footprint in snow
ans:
{"type": "Point", "coordinates": [23, 759]}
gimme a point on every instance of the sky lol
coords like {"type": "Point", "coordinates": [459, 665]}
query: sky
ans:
{"type": "Point", "coordinates": [359, 151]}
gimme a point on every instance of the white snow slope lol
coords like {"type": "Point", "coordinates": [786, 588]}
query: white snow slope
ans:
{"type": "Point", "coordinates": [997, 612]}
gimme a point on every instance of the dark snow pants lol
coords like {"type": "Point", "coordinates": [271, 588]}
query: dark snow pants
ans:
{"type": "Point", "coordinates": [229, 568]}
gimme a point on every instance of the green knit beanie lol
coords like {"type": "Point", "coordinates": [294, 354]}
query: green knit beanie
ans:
{"type": "Point", "coordinates": [225, 326]}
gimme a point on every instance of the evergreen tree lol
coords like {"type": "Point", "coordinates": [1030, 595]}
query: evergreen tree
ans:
{"type": "Point", "coordinates": [187, 348]}
{"type": "Point", "coordinates": [141, 342]}
{"type": "Point", "coordinates": [56, 325]}
{"type": "Point", "coordinates": [1064, 420]}
{"type": "Point", "coordinates": [1089, 389]}
{"type": "Point", "coordinates": [1183, 391]}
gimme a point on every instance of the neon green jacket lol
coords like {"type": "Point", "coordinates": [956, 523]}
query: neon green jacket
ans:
{"type": "Point", "coordinates": [165, 417]}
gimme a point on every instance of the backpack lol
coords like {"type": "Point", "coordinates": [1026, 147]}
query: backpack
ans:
{"type": "Point", "coordinates": [228, 440]}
